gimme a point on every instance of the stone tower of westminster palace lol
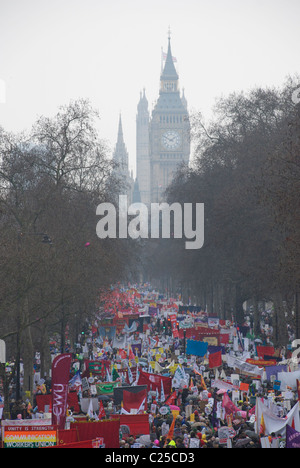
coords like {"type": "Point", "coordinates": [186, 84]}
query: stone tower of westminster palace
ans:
{"type": "Point", "coordinates": [162, 139]}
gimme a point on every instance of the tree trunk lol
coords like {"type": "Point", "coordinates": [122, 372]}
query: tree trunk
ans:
{"type": "Point", "coordinates": [45, 354]}
{"type": "Point", "coordinates": [239, 311]}
{"type": "Point", "coordinates": [256, 323]}
{"type": "Point", "coordinates": [280, 335]}
{"type": "Point", "coordinates": [27, 355]}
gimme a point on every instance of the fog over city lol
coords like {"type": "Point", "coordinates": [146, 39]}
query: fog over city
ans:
{"type": "Point", "coordinates": [108, 51]}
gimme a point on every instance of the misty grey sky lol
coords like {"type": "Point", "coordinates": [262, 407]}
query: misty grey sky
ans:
{"type": "Point", "coordinates": [54, 51]}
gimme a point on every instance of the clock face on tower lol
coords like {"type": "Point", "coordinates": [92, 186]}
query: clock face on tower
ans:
{"type": "Point", "coordinates": [171, 139]}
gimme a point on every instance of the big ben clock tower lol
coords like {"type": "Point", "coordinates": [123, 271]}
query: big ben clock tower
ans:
{"type": "Point", "coordinates": [169, 131]}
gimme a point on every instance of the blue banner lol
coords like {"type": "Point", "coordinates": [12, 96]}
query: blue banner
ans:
{"type": "Point", "coordinates": [196, 348]}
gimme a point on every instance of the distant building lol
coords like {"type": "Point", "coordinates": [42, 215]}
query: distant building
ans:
{"type": "Point", "coordinates": [162, 141]}
{"type": "Point", "coordinates": [120, 156]}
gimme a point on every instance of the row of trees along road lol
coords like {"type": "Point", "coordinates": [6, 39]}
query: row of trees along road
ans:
{"type": "Point", "coordinates": [247, 174]}
{"type": "Point", "coordinates": [52, 264]}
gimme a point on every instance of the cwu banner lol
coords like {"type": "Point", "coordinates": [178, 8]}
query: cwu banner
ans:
{"type": "Point", "coordinates": [60, 386]}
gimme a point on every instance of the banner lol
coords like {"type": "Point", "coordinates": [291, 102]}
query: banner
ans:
{"type": "Point", "coordinates": [153, 382]}
{"type": "Point", "coordinates": [273, 423]}
{"type": "Point", "coordinates": [60, 385]}
{"type": "Point", "coordinates": [119, 392]}
{"type": "Point", "coordinates": [213, 322]}
{"type": "Point", "coordinates": [265, 351]}
{"type": "Point", "coordinates": [95, 368]}
{"type": "Point", "coordinates": [137, 423]}
{"type": "Point", "coordinates": [196, 348]}
{"type": "Point", "coordinates": [261, 362]}
{"type": "Point", "coordinates": [222, 385]}
{"type": "Point", "coordinates": [175, 331]}
{"type": "Point", "coordinates": [120, 342]}
{"type": "Point", "coordinates": [230, 407]}
{"type": "Point", "coordinates": [108, 429]}
{"type": "Point", "coordinates": [289, 379]}
{"type": "Point", "coordinates": [272, 371]}
{"type": "Point", "coordinates": [107, 331]}
{"type": "Point", "coordinates": [215, 360]}
{"type": "Point", "coordinates": [106, 388]}
{"type": "Point", "coordinates": [292, 438]}
{"type": "Point", "coordinates": [29, 437]}
{"type": "Point", "coordinates": [137, 349]}
{"type": "Point", "coordinates": [43, 401]}
{"type": "Point", "coordinates": [243, 366]}
{"type": "Point", "coordinates": [135, 402]}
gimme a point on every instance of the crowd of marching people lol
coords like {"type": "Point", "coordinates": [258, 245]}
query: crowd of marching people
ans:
{"type": "Point", "coordinates": [228, 403]}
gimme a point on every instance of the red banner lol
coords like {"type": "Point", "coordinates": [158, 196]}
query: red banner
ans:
{"type": "Point", "coordinates": [199, 333]}
{"type": "Point", "coordinates": [46, 400]}
{"type": "Point", "coordinates": [215, 359]}
{"type": "Point", "coordinates": [265, 351]}
{"type": "Point", "coordinates": [136, 401]}
{"type": "Point", "coordinates": [153, 382]}
{"type": "Point", "coordinates": [60, 384]}
{"type": "Point", "coordinates": [108, 429]}
{"type": "Point", "coordinates": [137, 423]}
{"type": "Point", "coordinates": [261, 362]}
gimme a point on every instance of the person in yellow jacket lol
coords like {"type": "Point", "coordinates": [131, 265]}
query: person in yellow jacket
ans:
{"type": "Point", "coordinates": [172, 443]}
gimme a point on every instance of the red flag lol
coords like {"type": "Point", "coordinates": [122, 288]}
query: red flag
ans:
{"type": "Point", "coordinates": [60, 385]}
{"type": "Point", "coordinates": [171, 432]}
{"type": "Point", "coordinates": [130, 353]}
{"type": "Point", "coordinates": [102, 413]}
{"type": "Point", "coordinates": [215, 359]}
{"type": "Point", "coordinates": [171, 399]}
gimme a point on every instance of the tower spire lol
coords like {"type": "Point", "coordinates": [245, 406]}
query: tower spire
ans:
{"type": "Point", "coordinates": [169, 71]}
{"type": "Point", "coordinates": [120, 153]}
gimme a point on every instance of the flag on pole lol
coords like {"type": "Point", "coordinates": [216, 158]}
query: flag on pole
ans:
{"type": "Point", "coordinates": [262, 427]}
{"type": "Point", "coordinates": [171, 399]}
{"type": "Point", "coordinates": [102, 414]}
{"type": "Point", "coordinates": [60, 385]}
{"type": "Point", "coordinates": [75, 382]}
{"type": "Point", "coordinates": [203, 385]}
{"type": "Point", "coordinates": [171, 432]}
{"type": "Point", "coordinates": [130, 376]}
{"type": "Point", "coordinates": [131, 355]}
{"type": "Point", "coordinates": [108, 376]}
{"type": "Point", "coordinates": [90, 411]}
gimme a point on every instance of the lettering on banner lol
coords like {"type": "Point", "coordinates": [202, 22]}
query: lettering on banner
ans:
{"type": "Point", "coordinates": [60, 393]}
